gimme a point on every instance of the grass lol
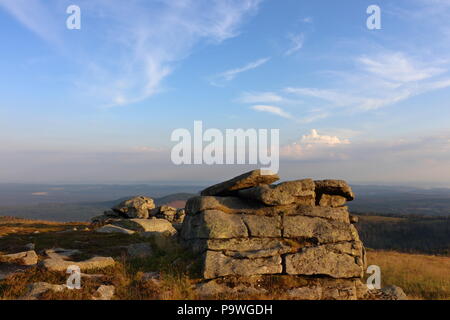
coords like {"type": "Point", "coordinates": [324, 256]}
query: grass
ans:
{"type": "Point", "coordinates": [420, 276]}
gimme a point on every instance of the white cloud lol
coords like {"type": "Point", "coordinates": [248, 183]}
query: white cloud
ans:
{"type": "Point", "coordinates": [397, 67]}
{"type": "Point", "coordinates": [141, 51]}
{"type": "Point", "coordinates": [314, 145]}
{"type": "Point", "coordinates": [315, 138]}
{"type": "Point", "coordinates": [296, 43]}
{"type": "Point", "coordinates": [273, 110]}
{"type": "Point", "coordinates": [259, 97]}
{"type": "Point", "coordinates": [231, 74]}
{"type": "Point", "coordinates": [382, 80]}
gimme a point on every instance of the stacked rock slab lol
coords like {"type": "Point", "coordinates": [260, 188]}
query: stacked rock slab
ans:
{"type": "Point", "coordinates": [248, 227]}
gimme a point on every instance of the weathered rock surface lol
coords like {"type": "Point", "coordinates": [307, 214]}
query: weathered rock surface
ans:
{"type": "Point", "coordinates": [327, 200]}
{"type": "Point", "coordinates": [325, 231]}
{"type": "Point", "coordinates": [35, 290]}
{"type": "Point", "coordinates": [244, 181]}
{"type": "Point", "coordinates": [137, 207]}
{"type": "Point", "coordinates": [334, 187]}
{"type": "Point", "coordinates": [27, 258]}
{"type": "Point", "coordinates": [147, 225]}
{"type": "Point", "coordinates": [220, 265]}
{"type": "Point", "coordinates": [57, 264]}
{"type": "Point", "coordinates": [298, 192]}
{"type": "Point", "coordinates": [323, 261]}
{"type": "Point", "coordinates": [234, 205]}
{"type": "Point", "coordinates": [168, 213]}
{"type": "Point", "coordinates": [104, 293]}
{"type": "Point", "coordinates": [245, 228]}
{"type": "Point", "coordinates": [396, 292]}
{"type": "Point", "coordinates": [213, 224]}
{"type": "Point", "coordinates": [109, 228]}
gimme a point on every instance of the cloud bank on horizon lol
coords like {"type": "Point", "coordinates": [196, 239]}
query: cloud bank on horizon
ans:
{"type": "Point", "coordinates": [376, 100]}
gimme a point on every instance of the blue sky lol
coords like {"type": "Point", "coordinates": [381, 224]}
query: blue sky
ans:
{"type": "Point", "coordinates": [99, 104]}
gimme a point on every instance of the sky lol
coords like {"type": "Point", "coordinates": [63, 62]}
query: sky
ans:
{"type": "Point", "coordinates": [99, 104]}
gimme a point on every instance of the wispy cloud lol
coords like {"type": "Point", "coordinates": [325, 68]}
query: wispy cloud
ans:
{"type": "Point", "coordinates": [273, 110]}
{"type": "Point", "coordinates": [233, 73]}
{"type": "Point", "coordinates": [296, 43]}
{"type": "Point", "coordinates": [259, 97]}
{"type": "Point", "coordinates": [379, 81]}
{"type": "Point", "coordinates": [142, 51]}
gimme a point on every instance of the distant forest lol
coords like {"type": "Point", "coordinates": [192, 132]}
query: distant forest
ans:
{"type": "Point", "coordinates": [405, 233]}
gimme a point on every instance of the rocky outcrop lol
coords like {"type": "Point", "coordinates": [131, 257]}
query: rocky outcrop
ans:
{"type": "Point", "coordinates": [137, 207]}
{"type": "Point", "coordinates": [246, 227]}
{"type": "Point", "coordinates": [139, 215]}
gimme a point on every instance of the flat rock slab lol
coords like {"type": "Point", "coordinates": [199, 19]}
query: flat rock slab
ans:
{"type": "Point", "coordinates": [244, 181]}
{"type": "Point", "coordinates": [244, 248]}
{"type": "Point", "coordinates": [219, 265]}
{"type": "Point", "coordinates": [109, 228]}
{"type": "Point", "coordinates": [60, 253]}
{"type": "Point", "coordinates": [86, 265]}
{"type": "Point", "coordinates": [299, 192]}
{"type": "Point", "coordinates": [27, 258]}
{"type": "Point", "coordinates": [334, 187]}
{"type": "Point", "coordinates": [147, 225]}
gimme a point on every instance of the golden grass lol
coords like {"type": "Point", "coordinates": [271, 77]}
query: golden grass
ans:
{"type": "Point", "coordinates": [420, 276]}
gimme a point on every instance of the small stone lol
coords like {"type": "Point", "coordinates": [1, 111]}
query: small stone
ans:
{"type": "Point", "coordinates": [396, 292]}
{"type": "Point", "coordinates": [104, 293]}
